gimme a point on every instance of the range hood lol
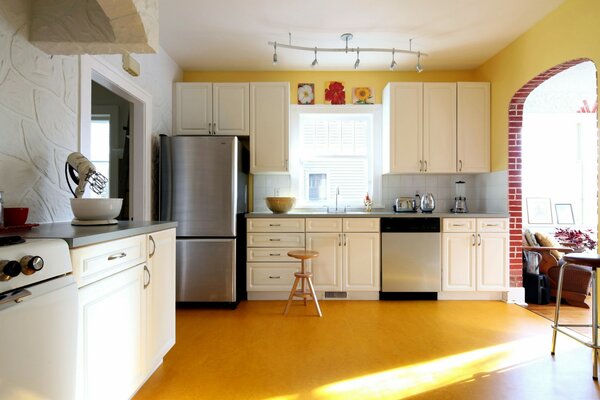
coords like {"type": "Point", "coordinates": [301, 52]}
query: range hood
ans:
{"type": "Point", "coordinates": [94, 26]}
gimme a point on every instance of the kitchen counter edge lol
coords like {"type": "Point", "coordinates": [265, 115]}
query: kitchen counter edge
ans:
{"type": "Point", "coordinates": [79, 236]}
{"type": "Point", "coordinates": [373, 214]}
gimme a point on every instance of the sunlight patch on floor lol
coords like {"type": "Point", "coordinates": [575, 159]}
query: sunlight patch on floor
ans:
{"type": "Point", "coordinates": [415, 379]}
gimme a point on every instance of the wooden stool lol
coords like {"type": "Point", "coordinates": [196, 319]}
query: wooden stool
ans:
{"type": "Point", "coordinates": [300, 278]}
{"type": "Point", "coordinates": [586, 260]}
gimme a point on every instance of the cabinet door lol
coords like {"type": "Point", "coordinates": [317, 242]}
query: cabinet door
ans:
{"type": "Point", "coordinates": [231, 109]}
{"type": "Point", "coordinates": [439, 127]}
{"type": "Point", "coordinates": [458, 261]}
{"type": "Point", "coordinates": [192, 107]}
{"type": "Point", "coordinates": [269, 127]}
{"type": "Point", "coordinates": [361, 261]}
{"type": "Point", "coordinates": [111, 362]}
{"type": "Point", "coordinates": [473, 127]}
{"type": "Point", "coordinates": [327, 267]}
{"type": "Point", "coordinates": [160, 296]}
{"type": "Point", "coordinates": [403, 127]}
{"type": "Point", "coordinates": [492, 261]}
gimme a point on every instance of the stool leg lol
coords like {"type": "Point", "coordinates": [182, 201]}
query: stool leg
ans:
{"type": "Point", "coordinates": [314, 296]}
{"type": "Point", "coordinates": [302, 281]}
{"type": "Point", "coordinates": [595, 323]}
{"type": "Point", "coordinates": [289, 302]}
{"type": "Point", "coordinates": [557, 307]}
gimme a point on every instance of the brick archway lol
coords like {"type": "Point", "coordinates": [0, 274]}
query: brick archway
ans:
{"type": "Point", "coordinates": [515, 123]}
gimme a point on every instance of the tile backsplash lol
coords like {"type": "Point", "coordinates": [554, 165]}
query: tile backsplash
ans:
{"type": "Point", "coordinates": [485, 192]}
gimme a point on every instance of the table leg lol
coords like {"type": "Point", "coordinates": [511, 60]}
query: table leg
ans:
{"type": "Point", "coordinates": [595, 323]}
{"type": "Point", "coordinates": [557, 307]}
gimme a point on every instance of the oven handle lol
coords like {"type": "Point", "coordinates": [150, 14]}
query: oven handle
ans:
{"type": "Point", "coordinates": [17, 297]}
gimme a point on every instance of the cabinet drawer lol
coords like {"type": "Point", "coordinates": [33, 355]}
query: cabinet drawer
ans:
{"type": "Point", "coordinates": [323, 225]}
{"type": "Point", "coordinates": [276, 240]}
{"type": "Point", "coordinates": [275, 225]}
{"type": "Point", "coordinates": [271, 277]}
{"type": "Point", "coordinates": [98, 261]}
{"type": "Point", "coordinates": [492, 224]}
{"type": "Point", "coordinates": [361, 224]}
{"type": "Point", "coordinates": [459, 225]}
{"type": "Point", "coordinates": [266, 254]}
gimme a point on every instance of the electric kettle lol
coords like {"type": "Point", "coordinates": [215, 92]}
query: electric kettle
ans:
{"type": "Point", "coordinates": [427, 203]}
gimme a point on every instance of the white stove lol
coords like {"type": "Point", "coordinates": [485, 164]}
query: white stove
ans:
{"type": "Point", "coordinates": [38, 314]}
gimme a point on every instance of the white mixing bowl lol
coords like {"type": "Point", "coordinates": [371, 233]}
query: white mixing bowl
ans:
{"type": "Point", "coordinates": [96, 209]}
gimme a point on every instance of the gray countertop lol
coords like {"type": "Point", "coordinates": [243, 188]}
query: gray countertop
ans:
{"type": "Point", "coordinates": [77, 236]}
{"type": "Point", "coordinates": [373, 214]}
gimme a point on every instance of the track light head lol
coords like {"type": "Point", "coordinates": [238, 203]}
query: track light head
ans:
{"type": "Point", "coordinates": [393, 64]}
{"type": "Point", "coordinates": [357, 63]}
{"type": "Point", "coordinates": [315, 62]}
{"type": "Point", "coordinates": [275, 53]}
{"type": "Point", "coordinates": [419, 68]}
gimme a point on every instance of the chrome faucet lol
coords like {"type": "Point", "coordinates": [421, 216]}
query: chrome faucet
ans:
{"type": "Point", "coordinates": [337, 195]}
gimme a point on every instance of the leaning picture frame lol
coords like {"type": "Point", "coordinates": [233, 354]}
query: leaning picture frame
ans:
{"type": "Point", "coordinates": [539, 210]}
{"type": "Point", "coordinates": [564, 213]}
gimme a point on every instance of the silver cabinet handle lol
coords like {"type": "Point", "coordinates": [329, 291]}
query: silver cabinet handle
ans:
{"type": "Point", "coordinates": [274, 224]}
{"type": "Point", "coordinates": [339, 239]}
{"type": "Point", "coordinates": [116, 256]}
{"type": "Point", "coordinates": [459, 165]}
{"type": "Point", "coordinates": [479, 237]}
{"type": "Point", "coordinates": [274, 277]}
{"type": "Point", "coordinates": [275, 240]}
{"type": "Point", "coordinates": [16, 297]}
{"type": "Point", "coordinates": [425, 165]}
{"type": "Point", "coordinates": [153, 246]}
{"type": "Point", "coordinates": [345, 239]}
{"type": "Point", "coordinates": [214, 128]}
{"type": "Point", "coordinates": [147, 271]}
{"type": "Point", "coordinates": [492, 224]}
{"type": "Point", "coordinates": [275, 254]}
{"type": "Point", "coordinates": [420, 165]}
{"type": "Point", "coordinates": [473, 243]}
{"type": "Point", "coordinates": [458, 225]}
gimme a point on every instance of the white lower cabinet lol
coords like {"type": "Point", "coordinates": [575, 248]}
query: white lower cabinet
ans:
{"type": "Point", "coordinates": [475, 254]}
{"type": "Point", "coordinates": [126, 315]}
{"type": "Point", "coordinates": [327, 267]}
{"type": "Point", "coordinates": [111, 362]}
{"type": "Point", "coordinates": [361, 261]}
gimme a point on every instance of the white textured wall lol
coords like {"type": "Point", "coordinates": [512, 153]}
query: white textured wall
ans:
{"type": "Point", "coordinates": [39, 98]}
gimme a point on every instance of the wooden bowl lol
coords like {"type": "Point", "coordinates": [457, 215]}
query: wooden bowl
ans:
{"type": "Point", "coordinates": [280, 205]}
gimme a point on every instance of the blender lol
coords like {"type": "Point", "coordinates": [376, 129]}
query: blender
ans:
{"type": "Point", "coordinates": [460, 199]}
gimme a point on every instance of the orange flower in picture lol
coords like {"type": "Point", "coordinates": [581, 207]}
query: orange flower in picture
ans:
{"type": "Point", "coordinates": [334, 93]}
{"type": "Point", "coordinates": [362, 95]}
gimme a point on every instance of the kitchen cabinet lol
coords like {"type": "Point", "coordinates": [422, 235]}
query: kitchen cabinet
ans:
{"type": "Point", "coordinates": [475, 254]}
{"type": "Point", "coordinates": [160, 296]}
{"type": "Point", "coordinates": [435, 127]}
{"type": "Point", "coordinates": [473, 127]}
{"type": "Point", "coordinates": [269, 127]}
{"type": "Point", "coordinates": [349, 253]}
{"type": "Point", "coordinates": [202, 108]}
{"type": "Point", "coordinates": [126, 312]}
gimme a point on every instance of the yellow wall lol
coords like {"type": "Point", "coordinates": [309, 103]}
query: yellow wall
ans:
{"type": "Point", "coordinates": [375, 79]}
{"type": "Point", "coordinates": [569, 32]}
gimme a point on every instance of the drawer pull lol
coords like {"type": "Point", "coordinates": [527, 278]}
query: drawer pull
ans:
{"type": "Point", "coordinates": [117, 256]}
{"type": "Point", "coordinates": [274, 277]}
{"type": "Point", "coordinates": [275, 240]}
{"type": "Point", "coordinates": [458, 224]}
{"type": "Point", "coordinates": [492, 224]}
{"type": "Point", "coordinates": [275, 254]}
{"type": "Point", "coordinates": [274, 224]}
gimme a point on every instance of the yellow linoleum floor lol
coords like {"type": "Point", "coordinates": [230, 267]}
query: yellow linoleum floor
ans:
{"type": "Point", "coordinates": [370, 350]}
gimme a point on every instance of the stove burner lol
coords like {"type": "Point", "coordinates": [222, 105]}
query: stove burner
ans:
{"type": "Point", "coordinates": [10, 240]}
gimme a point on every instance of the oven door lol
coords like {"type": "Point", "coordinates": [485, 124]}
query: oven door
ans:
{"type": "Point", "coordinates": [38, 327]}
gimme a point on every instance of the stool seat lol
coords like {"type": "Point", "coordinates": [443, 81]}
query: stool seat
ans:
{"type": "Point", "coordinates": [592, 261]}
{"type": "Point", "coordinates": [302, 277]}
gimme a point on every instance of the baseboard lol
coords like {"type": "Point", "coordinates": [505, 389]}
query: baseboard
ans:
{"type": "Point", "coordinates": [320, 296]}
{"type": "Point", "coordinates": [470, 295]}
{"type": "Point", "coordinates": [515, 295]}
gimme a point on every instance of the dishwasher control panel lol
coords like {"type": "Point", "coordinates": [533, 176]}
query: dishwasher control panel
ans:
{"type": "Point", "coordinates": [410, 224]}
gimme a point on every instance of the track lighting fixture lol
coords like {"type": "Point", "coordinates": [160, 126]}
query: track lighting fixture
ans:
{"type": "Point", "coordinates": [315, 62]}
{"type": "Point", "coordinates": [357, 63]}
{"type": "Point", "coordinates": [346, 37]}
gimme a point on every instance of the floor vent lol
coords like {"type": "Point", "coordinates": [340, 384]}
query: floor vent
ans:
{"type": "Point", "coordinates": [336, 295]}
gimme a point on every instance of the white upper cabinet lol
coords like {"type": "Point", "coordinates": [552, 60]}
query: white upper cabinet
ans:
{"type": "Point", "coordinates": [439, 127]}
{"type": "Point", "coordinates": [231, 109]}
{"type": "Point", "coordinates": [211, 109]}
{"type": "Point", "coordinates": [269, 127]}
{"type": "Point", "coordinates": [436, 128]}
{"type": "Point", "coordinates": [473, 127]}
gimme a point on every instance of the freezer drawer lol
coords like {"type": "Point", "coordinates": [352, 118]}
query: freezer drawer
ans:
{"type": "Point", "coordinates": [206, 270]}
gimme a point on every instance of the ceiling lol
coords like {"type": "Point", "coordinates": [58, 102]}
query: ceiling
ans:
{"type": "Point", "coordinates": [232, 35]}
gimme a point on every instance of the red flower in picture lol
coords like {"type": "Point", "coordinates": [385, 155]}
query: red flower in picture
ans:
{"type": "Point", "coordinates": [335, 93]}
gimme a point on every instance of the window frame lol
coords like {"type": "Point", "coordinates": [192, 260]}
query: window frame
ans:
{"type": "Point", "coordinates": [374, 110]}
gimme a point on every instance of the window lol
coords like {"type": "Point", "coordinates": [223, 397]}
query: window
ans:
{"type": "Point", "coordinates": [100, 148]}
{"type": "Point", "coordinates": [334, 147]}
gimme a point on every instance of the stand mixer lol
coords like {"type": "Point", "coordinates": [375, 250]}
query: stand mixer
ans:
{"type": "Point", "coordinates": [77, 162]}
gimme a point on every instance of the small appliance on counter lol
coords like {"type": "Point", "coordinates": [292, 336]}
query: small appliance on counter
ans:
{"type": "Point", "coordinates": [406, 205]}
{"type": "Point", "coordinates": [460, 199]}
{"type": "Point", "coordinates": [427, 203]}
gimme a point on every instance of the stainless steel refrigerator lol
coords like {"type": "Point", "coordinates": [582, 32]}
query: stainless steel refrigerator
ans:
{"type": "Point", "coordinates": [203, 186]}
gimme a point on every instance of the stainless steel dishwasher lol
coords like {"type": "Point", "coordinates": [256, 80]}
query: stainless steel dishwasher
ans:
{"type": "Point", "coordinates": [410, 258]}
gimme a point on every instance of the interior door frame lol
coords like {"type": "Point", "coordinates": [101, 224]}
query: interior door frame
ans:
{"type": "Point", "coordinates": [93, 68]}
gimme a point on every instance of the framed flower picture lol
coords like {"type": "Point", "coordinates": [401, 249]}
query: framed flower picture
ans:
{"type": "Point", "coordinates": [335, 93]}
{"type": "Point", "coordinates": [363, 95]}
{"type": "Point", "coordinates": [306, 93]}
